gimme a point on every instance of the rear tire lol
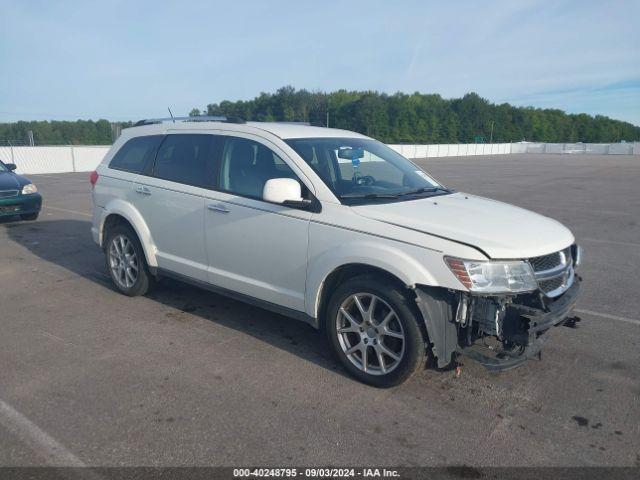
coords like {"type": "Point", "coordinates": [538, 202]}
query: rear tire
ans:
{"type": "Point", "coordinates": [126, 262]}
{"type": "Point", "coordinates": [30, 217]}
{"type": "Point", "coordinates": [374, 329]}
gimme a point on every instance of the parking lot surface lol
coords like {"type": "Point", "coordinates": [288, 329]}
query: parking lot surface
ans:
{"type": "Point", "coordinates": [187, 377]}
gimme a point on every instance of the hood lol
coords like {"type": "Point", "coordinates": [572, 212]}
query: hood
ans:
{"type": "Point", "coordinates": [499, 229]}
{"type": "Point", "coordinates": [10, 181]}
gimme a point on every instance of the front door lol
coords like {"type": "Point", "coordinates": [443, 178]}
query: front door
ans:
{"type": "Point", "coordinates": [254, 247]}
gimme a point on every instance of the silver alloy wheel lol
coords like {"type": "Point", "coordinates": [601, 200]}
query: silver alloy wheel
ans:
{"type": "Point", "coordinates": [123, 261]}
{"type": "Point", "coordinates": [370, 333]}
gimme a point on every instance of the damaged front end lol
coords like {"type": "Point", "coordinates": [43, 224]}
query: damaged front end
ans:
{"type": "Point", "coordinates": [502, 331]}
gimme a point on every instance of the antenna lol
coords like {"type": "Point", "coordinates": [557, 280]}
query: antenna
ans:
{"type": "Point", "coordinates": [174, 120]}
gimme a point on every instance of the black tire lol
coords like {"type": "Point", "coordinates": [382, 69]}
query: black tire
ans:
{"type": "Point", "coordinates": [30, 217]}
{"type": "Point", "coordinates": [413, 353]}
{"type": "Point", "coordinates": [144, 281]}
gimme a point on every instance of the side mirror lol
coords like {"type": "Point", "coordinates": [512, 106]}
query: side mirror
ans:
{"type": "Point", "coordinates": [285, 191]}
{"type": "Point", "coordinates": [11, 166]}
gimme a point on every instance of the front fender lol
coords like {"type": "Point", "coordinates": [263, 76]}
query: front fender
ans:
{"type": "Point", "coordinates": [374, 254]}
{"type": "Point", "coordinates": [133, 216]}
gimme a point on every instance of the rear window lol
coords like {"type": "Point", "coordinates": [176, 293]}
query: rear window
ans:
{"type": "Point", "coordinates": [134, 155]}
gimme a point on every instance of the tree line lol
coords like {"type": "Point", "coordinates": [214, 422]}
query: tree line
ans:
{"type": "Point", "coordinates": [426, 118]}
{"type": "Point", "coordinates": [79, 132]}
{"type": "Point", "coordinates": [397, 118]}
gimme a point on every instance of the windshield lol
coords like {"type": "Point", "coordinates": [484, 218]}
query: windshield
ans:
{"type": "Point", "coordinates": [362, 170]}
{"type": "Point", "coordinates": [3, 168]}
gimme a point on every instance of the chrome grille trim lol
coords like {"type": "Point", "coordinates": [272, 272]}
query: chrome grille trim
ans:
{"type": "Point", "coordinates": [8, 193]}
{"type": "Point", "coordinates": [554, 272]}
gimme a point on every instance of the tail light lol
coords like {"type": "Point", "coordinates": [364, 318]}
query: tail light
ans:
{"type": "Point", "coordinates": [93, 178]}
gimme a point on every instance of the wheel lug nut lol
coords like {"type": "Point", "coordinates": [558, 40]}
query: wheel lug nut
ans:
{"type": "Point", "coordinates": [366, 340]}
{"type": "Point", "coordinates": [361, 329]}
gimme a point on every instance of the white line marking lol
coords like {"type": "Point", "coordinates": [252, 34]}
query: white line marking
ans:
{"type": "Point", "coordinates": [592, 212]}
{"type": "Point", "coordinates": [67, 210]}
{"type": "Point", "coordinates": [58, 176]}
{"type": "Point", "coordinates": [613, 242]}
{"type": "Point", "coordinates": [606, 315]}
{"type": "Point", "coordinates": [51, 336]}
{"type": "Point", "coordinates": [45, 445]}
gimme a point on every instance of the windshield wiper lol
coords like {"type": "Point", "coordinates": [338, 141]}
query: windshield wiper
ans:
{"type": "Point", "coordinates": [370, 195]}
{"type": "Point", "coordinates": [418, 191]}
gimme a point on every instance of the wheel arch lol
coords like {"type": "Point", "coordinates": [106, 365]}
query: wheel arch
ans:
{"type": "Point", "coordinates": [361, 257]}
{"type": "Point", "coordinates": [121, 212]}
{"type": "Point", "coordinates": [345, 272]}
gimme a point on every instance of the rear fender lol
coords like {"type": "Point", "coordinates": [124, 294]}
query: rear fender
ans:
{"type": "Point", "coordinates": [129, 213]}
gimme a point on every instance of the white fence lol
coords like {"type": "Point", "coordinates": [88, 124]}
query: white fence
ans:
{"type": "Point", "coordinates": [592, 148]}
{"type": "Point", "coordinates": [59, 159]}
{"type": "Point", "coordinates": [64, 159]}
{"type": "Point", "coordinates": [452, 150]}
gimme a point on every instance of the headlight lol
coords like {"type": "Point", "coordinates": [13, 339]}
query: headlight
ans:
{"type": "Point", "coordinates": [493, 277]}
{"type": "Point", "coordinates": [29, 188]}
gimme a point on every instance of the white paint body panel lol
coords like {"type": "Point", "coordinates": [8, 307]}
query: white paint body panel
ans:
{"type": "Point", "coordinates": [258, 249]}
{"type": "Point", "coordinates": [174, 213]}
{"type": "Point", "coordinates": [283, 255]}
{"type": "Point", "coordinates": [499, 229]}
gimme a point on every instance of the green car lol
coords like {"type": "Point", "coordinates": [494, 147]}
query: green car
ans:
{"type": "Point", "coordinates": [18, 196]}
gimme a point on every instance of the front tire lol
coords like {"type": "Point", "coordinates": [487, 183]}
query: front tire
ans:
{"type": "Point", "coordinates": [373, 327]}
{"type": "Point", "coordinates": [126, 262]}
{"type": "Point", "coordinates": [30, 217]}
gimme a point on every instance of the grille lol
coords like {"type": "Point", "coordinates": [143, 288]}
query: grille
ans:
{"type": "Point", "coordinates": [550, 285]}
{"type": "Point", "coordinates": [547, 262]}
{"type": "Point", "coordinates": [8, 193]}
{"type": "Point", "coordinates": [554, 272]}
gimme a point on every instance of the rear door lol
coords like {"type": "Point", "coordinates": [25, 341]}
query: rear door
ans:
{"type": "Point", "coordinates": [170, 197]}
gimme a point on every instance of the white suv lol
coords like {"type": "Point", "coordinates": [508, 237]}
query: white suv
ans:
{"type": "Point", "coordinates": [338, 230]}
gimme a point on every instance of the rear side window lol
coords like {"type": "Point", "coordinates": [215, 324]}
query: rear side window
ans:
{"type": "Point", "coordinates": [188, 158]}
{"type": "Point", "coordinates": [134, 155]}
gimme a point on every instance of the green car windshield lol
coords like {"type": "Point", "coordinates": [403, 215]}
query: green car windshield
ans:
{"type": "Point", "coordinates": [362, 170]}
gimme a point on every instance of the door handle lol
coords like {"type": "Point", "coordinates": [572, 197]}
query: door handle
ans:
{"type": "Point", "coordinates": [218, 207]}
{"type": "Point", "coordinates": [143, 190]}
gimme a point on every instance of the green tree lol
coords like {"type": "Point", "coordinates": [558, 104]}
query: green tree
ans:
{"type": "Point", "coordinates": [397, 118]}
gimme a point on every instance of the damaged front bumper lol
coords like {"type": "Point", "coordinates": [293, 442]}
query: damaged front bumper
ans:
{"type": "Point", "coordinates": [500, 332]}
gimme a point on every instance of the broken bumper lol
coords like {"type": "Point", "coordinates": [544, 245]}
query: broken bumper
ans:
{"type": "Point", "coordinates": [498, 332]}
{"type": "Point", "coordinates": [557, 313]}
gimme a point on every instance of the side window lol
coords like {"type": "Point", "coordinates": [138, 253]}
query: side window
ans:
{"type": "Point", "coordinates": [188, 159]}
{"type": "Point", "coordinates": [134, 155]}
{"type": "Point", "coordinates": [247, 165]}
{"type": "Point", "coordinates": [323, 161]}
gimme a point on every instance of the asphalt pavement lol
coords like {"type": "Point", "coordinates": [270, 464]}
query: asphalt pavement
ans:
{"type": "Point", "coordinates": [188, 377]}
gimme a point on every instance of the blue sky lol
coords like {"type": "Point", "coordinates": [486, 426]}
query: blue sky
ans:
{"type": "Point", "coordinates": [124, 60]}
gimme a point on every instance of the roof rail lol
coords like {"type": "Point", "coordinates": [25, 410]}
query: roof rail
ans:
{"type": "Point", "coordinates": [201, 118]}
{"type": "Point", "coordinates": [286, 122]}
